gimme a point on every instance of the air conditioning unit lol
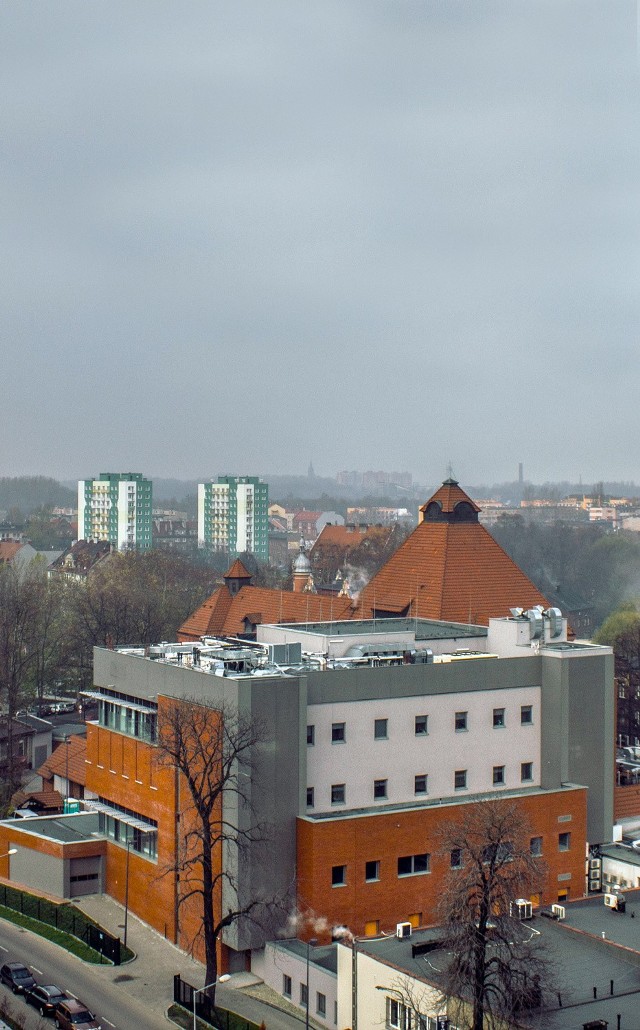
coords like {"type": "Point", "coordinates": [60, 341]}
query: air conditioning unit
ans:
{"type": "Point", "coordinates": [595, 863]}
{"type": "Point", "coordinates": [558, 911]}
{"type": "Point", "coordinates": [521, 909]}
{"type": "Point", "coordinates": [594, 885]}
{"type": "Point", "coordinates": [403, 930]}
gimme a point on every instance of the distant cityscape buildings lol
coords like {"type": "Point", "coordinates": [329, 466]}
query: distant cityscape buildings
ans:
{"type": "Point", "coordinates": [117, 508]}
{"type": "Point", "coordinates": [233, 516]}
{"type": "Point", "coordinates": [375, 482]}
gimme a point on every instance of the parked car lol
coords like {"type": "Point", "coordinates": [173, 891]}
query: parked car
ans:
{"type": "Point", "coordinates": [17, 977]}
{"type": "Point", "coordinates": [74, 1015]}
{"type": "Point", "coordinates": [44, 998]}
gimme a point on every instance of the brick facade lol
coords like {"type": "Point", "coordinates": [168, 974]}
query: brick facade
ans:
{"type": "Point", "coordinates": [351, 842]}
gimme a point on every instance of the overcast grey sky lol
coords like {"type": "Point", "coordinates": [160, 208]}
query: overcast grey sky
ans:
{"type": "Point", "coordinates": [240, 236]}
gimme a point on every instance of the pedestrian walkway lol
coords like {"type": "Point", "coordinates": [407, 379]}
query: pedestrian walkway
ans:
{"type": "Point", "coordinates": [150, 974]}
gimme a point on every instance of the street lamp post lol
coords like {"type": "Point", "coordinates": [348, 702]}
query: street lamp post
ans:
{"type": "Point", "coordinates": [221, 980]}
{"type": "Point", "coordinates": [310, 944]}
{"type": "Point", "coordinates": [126, 891]}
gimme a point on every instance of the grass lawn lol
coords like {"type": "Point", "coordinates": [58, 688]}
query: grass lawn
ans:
{"type": "Point", "coordinates": [65, 940]}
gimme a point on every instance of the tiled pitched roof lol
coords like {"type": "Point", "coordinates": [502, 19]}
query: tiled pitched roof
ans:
{"type": "Point", "coordinates": [224, 614]}
{"type": "Point", "coordinates": [237, 571]}
{"type": "Point", "coordinates": [347, 537]}
{"type": "Point", "coordinates": [449, 570]}
{"type": "Point", "coordinates": [9, 549]}
{"type": "Point", "coordinates": [56, 763]}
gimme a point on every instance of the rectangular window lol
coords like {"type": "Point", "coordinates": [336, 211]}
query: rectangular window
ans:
{"type": "Point", "coordinates": [526, 771]}
{"type": "Point", "coordinates": [422, 725]}
{"type": "Point", "coordinates": [526, 715]}
{"type": "Point", "coordinates": [498, 719]}
{"type": "Point", "coordinates": [372, 927]}
{"type": "Point", "coordinates": [311, 734]}
{"type": "Point", "coordinates": [420, 783]}
{"type": "Point", "coordinates": [461, 721]}
{"type": "Point", "coordinates": [309, 797]}
{"type": "Point", "coordinates": [456, 858]}
{"type": "Point", "coordinates": [337, 733]}
{"type": "Point", "coordinates": [460, 779]}
{"type": "Point", "coordinates": [338, 793]}
{"type": "Point", "coordinates": [413, 865]}
{"type": "Point", "coordinates": [394, 1010]}
{"type": "Point", "coordinates": [535, 846]}
{"type": "Point", "coordinates": [379, 789]}
{"type": "Point", "coordinates": [338, 875]}
{"type": "Point", "coordinates": [380, 729]}
{"type": "Point", "coordinates": [286, 985]}
{"type": "Point", "coordinates": [303, 995]}
{"type": "Point", "coordinates": [498, 775]}
{"type": "Point", "coordinates": [372, 871]}
{"type": "Point", "coordinates": [321, 1004]}
{"type": "Point", "coordinates": [564, 841]}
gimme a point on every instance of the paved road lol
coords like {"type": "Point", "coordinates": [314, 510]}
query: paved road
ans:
{"type": "Point", "coordinates": [93, 984]}
{"type": "Point", "coordinates": [129, 997]}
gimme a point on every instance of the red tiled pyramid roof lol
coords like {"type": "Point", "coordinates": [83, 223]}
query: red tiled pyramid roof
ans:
{"type": "Point", "coordinates": [73, 753]}
{"type": "Point", "coordinates": [450, 570]}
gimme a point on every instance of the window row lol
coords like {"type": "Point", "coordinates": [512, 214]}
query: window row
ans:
{"type": "Point", "coordinates": [421, 725]}
{"type": "Point", "coordinates": [407, 865]}
{"type": "Point", "coordinates": [421, 784]}
{"type": "Point", "coordinates": [321, 999]}
{"type": "Point", "coordinates": [415, 865]}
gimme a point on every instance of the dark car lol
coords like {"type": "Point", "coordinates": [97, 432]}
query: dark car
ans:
{"type": "Point", "coordinates": [74, 1015]}
{"type": "Point", "coordinates": [17, 977]}
{"type": "Point", "coordinates": [44, 998]}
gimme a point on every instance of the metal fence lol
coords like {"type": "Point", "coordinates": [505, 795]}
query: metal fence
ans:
{"type": "Point", "coordinates": [223, 1019]}
{"type": "Point", "coordinates": [63, 917]}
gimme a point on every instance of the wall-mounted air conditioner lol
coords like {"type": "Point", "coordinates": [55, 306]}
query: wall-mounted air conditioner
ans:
{"type": "Point", "coordinates": [521, 909]}
{"type": "Point", "coordinates": [403, 930]}
{"type": "Point", "coordinates": [558, 911]}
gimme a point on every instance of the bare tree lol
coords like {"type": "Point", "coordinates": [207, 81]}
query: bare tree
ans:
{"type": "Point", "coordinates": [214, 750]}
{"type": "Point", "coordinates": [497, 967]}
{"type": "Point", "coordinates": [20, 597]}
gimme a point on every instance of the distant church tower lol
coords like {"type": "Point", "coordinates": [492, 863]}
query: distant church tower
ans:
{"type": "Point", "coordinates": [310, 473]}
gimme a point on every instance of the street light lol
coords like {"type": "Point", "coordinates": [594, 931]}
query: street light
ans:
{"type": "Point", "coordinates": [221, 980]}
{"type": "Point", "coordinates": [11, 851]}
{"type": "Point", "coordinates": [310, 944]}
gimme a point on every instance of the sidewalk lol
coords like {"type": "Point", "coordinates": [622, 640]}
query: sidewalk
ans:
{"type": "Point", "coordinates": [150, 975]}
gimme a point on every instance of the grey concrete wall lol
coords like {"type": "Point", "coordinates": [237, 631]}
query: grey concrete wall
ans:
{"type": "Point", "coordinates": [275, 787]}
{"type": "Point", "coordinates": [578, 731]}
{"type": "Point", "coordinates": [336, 685]}
{"type": "Point", "coordinates": [35, 870]}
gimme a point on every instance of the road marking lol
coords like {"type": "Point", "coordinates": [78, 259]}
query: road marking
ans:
{"type": "Point", "coordinates": [36, 970]}
{"type": "Point", "coordinates": [3, 949]}
{"type": "Point", "coordinates": [108, 1021]}
{"type": "Point", "coordinates": [72, 995]}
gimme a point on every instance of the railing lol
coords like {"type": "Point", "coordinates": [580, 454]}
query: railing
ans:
{"type": "Point", "coordinates": [215, 1016]}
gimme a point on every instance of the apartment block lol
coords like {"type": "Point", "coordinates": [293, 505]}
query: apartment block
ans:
{"type": "Point", "coordinates": [117, 508]}
{"type": "Point", "coordinates": [233, 516]}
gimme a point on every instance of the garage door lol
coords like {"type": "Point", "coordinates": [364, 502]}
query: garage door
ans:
{"type": "Point", "coordinates": [85, 876]}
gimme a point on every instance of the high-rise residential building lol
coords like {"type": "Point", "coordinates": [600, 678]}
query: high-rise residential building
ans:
{"type": "Point", "coordinates": [233, 516]}
{"type": "Point", "coordinates": [116, 507]}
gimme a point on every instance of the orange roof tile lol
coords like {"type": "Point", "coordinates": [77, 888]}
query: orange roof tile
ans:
{"type": "Point", "coordinates": [73, 753]}
{"type": "Point", "coordinates": [451, 570]}
{"type": "Point", "coordinates": [237, 571]}
{"type": "Point", "coordinates": [347, 537]}
{"type": "Point", "coordinates": [9, 549]}
{"type": "Point", "coordinates": [224, 614]}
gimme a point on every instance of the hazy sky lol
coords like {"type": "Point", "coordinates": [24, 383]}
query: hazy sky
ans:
{"type": "Point", "coordinates": [240, 236]}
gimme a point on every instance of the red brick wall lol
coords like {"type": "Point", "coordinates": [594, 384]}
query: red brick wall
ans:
{"type": "Point", "coordinates": [387, 836]}
{"type": "Point", "coordinates": [127, 772]}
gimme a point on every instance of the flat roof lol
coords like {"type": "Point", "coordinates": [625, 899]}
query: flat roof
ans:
{"type": "Point", "coordinates": [65, 829]}
{"type": "Point", "coordinates": [424, 629]}
{"type": "Point", "coordinates": [621, 852]}
{"type": "Point", "coordinates": [581, 958]}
